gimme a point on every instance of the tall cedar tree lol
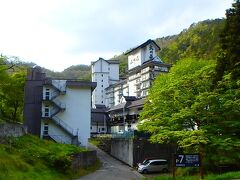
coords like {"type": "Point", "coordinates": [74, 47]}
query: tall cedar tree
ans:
{"type": "Point", "coordinates": [229, 59]}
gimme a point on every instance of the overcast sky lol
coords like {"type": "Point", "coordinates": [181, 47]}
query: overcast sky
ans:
{"type": "Point", "coordinates": [56, 34]}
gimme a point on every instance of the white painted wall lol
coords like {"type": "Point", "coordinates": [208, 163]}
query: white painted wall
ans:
{"type": "Point", "coordinates": [77, 114]}
{"type": "Point", "coordinates": [134, 59]}
{"type": "Point", "coordinates": [148, 51]}
{"type": "Point", "coordinates": [104, 73]}
{"type": "Point", "coordinates": [114, 72]}
{"type": "Point", "coordinates": [78, 111]}
{"type": "Point", "coordinates": [98, 129]}
{"type": "Point", "coordinates": [116, 95]}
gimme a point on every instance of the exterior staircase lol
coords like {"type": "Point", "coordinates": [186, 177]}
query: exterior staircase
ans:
{"type": "Point", "coordinates": [59, 107]}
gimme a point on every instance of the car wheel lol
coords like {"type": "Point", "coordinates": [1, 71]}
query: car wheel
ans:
{"type": "Point", "coordinates": [145, 171]}
{"type": "Point", "coordinates": [165, 170]}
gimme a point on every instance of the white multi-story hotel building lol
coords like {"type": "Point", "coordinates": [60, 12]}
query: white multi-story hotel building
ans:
{"type": "Point", "coordinates": [143, 66]}
{"type": "Point", "coordinates": [125, 97]}
{"type": "Point", "coordinates": [58, 109]}
{"type": "Point", "coordinates": [105, 73]}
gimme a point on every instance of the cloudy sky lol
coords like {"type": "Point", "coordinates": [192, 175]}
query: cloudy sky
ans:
{"type": "Point", "coordinates": [56, 34]}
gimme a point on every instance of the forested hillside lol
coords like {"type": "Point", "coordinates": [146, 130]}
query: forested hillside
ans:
{"type": "Point", "coordinates": [197, 104]}
{"type": "Point", "coordinates": [81, 72]}
{"type": "Point", "coordinates": [200, 40]}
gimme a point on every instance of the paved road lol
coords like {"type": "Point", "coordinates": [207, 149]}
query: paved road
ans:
{"type": "Point", "coordinates": [112, 169]}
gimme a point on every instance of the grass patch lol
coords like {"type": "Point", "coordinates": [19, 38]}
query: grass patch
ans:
{"type": "Point", "coordinates": [29, 157]}
{"type": "Point", "coordinates": [85, 171]}
{"type": "Point", "coordinates": [224, 176]}
{"type": "Point", "coordinates": [94, 141]}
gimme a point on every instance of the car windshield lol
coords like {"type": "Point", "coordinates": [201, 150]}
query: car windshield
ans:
{"type": "Point", "coordinates": [145, 162]}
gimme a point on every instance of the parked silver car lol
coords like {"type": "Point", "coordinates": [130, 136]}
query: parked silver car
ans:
{"type": "Point", "coordinates": [153, 165]}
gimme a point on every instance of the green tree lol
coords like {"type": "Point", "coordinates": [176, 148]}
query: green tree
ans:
{"type": "Point", "coordinates": [185, 108]}
{"type": "Point", "coordinates": [182, 108]}
{"type": "Point", "coordinates": [229, 61]}
{"type": "Point", "coordinates": [12, 80]}
{"type": "Point", "coordinates": [168, 112]}
{"type": "Point", "coordinates": [12, 93]}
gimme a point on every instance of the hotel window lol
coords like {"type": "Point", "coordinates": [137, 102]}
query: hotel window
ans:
{"type": "Point", "coordinates": [47, 94]}
{"type": "Point", "coordinates": [46, 111]}
{"type": "Point", "coordinates": [45, 129]}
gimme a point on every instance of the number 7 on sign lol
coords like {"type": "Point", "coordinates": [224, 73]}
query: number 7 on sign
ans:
{"type": "Point", "coordinates": [179, 159]}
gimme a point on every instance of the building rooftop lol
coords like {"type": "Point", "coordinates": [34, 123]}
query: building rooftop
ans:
{"type": "Point", "coordinates": [108, 61]}
{"type": "Point", "coordinates": [76, 83]}
{"type": "Point", "coordinates": [129, 104]}
{"type": "Point", "coordinates": [143, 45]}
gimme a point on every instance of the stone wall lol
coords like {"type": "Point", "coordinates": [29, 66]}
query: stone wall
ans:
{"type": "Point", "coordinates": [84, 159]}
{"type": "Point", "coordinates": [15, 130]}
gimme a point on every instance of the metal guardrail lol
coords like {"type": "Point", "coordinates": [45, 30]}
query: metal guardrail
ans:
{"type": "Point", "coordinates": [59, 139]}
{"type": "Point", "coordinates": [124, 134]}
{"type": "Point", "coordinates": [59, 104]}
{"type": "Point", "coordinates": [70, 130]}
{"type": "Point", "coordinates": [61, 88]}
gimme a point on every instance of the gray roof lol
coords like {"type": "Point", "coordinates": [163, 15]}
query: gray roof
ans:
{"type": "Point", "coordinates": [130, 98]}
{"type": "Point", "coordinates": [143, 45]}
{"type": "Point", "coordinates": [97, 115]}
{"type": "Point", "coordinates": [137, 103]}
{"type": "Point", "coordinates": [117, 107]}
{"type": "Point", "coordinates": [128, 104]}
{"type": "Point", "coordinates": [100, 106]}
{"type": "Point", "coordinates": [76, 83]}
{"type": "Point", "coordinates": [108, 61]}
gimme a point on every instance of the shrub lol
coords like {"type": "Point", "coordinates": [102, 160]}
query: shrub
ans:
{"type": "Point", "coordinates": [187, 171]}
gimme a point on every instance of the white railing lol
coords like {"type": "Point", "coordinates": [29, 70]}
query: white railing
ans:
{"type": "Point", "coordinates": [65, 126]}
{"type": "Point", "coordinates": [60, 139]}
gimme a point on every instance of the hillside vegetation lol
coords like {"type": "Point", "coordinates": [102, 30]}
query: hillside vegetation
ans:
{"type": "Point", "coordinates": [197, 104]}
{"type": "Point", "coordinates": [29, 157]}
{"type": "Point", "coordinates": [200, 40]}
{"type": "Point", "coordinates": [12, 80]}
{"type": "Point", "coordinates": [80, 72]}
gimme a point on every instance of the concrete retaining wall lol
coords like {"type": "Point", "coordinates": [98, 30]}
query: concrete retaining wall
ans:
{"type": "Point", "coordinates": [84, 159]}
{"type": "Point", "coordinates": [15, 130]}
{"type": "Point", "coordinates": [122, 149]}
{"type": "Point", "coordinates": [133, 151]}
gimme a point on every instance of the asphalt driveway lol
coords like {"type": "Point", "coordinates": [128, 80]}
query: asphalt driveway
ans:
{"type": "Point", "coordinates": [112, 169]}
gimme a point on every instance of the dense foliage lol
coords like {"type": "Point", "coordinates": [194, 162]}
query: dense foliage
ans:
{"type": "Point", "coordinates": [196, 110]}
{"type": "Point", "coordinates": [81, 72]}
{"type": "Point", "coordinates": [12, 80]}
{"type": "Point", "coordinates": [28, 157]}
{"type": "Point", "coordinates": [200, 40]}
{"type": "Point", "coordinates": [229, 56]}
